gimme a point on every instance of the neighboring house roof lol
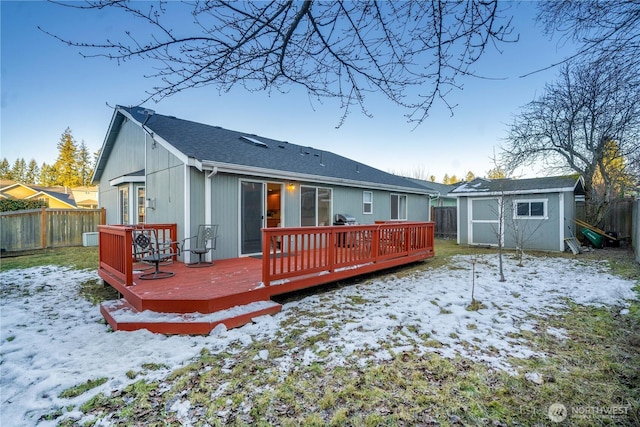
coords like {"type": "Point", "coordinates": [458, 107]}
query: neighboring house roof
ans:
{"type": "Point", "coordinates": [214, 148]}
{"type": "Point", "coordinates": [37, 191]}
{"type": "Point", "coordinates": [436, 188]}
{"type": "Point", "coordinates": [65, 199]}
{"type": "Point", "coordinates": [493, 187]}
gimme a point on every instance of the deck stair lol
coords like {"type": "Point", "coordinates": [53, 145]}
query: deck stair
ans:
{"type": "Point", "coordinates": [122, 316]}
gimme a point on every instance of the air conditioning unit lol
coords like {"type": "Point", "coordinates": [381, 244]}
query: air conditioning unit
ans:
{"type": "Point", "coordinates": [90, 239]}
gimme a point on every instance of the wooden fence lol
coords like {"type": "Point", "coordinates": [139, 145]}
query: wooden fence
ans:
{"type": "Point", "coordinates": [46, 228]}
{"type": "Point", "coordinates": [446, 221]}
{"type": "Point", "coordinates": [619, 217]}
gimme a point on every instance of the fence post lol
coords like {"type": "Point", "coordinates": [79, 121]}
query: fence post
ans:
{"type": "Point", "coordinates": [43, 228]}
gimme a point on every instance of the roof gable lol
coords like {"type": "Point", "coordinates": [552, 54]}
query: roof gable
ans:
{"type": "Point", "coordinates": [203, 144]}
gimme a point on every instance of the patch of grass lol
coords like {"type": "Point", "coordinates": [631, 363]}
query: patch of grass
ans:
{"type": "Point", "coordinates": [475, 306]}
{"type": "Point", "coordinates": [96, 291]}
{"type": "Point", "coordinates": [77, 257]}
{"type": "Point", "coordinates": [76, 391]}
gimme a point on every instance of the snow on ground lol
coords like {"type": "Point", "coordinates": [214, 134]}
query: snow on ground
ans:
{"type": "Point", "coordinates": [51, 339]}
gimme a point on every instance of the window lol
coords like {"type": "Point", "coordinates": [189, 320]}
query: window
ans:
{"type": "Point", "coordinates": [124, 205]}
{"type": "Point", "coordinates": [398, 207]}
{"type": "Point", "coordinates": [315, 206]}
{"type": "Point", "coordinates": [141, 205]}
{"type": "Point", "coordinates": [530, 209]}
{"type": "Point", "coordinates": [367, 202]}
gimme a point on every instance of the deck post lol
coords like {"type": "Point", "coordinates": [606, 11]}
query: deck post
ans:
{"type": "Point", "coordinates": [266, 255]}
{"type": "Point", "coordinates": [128, 256]}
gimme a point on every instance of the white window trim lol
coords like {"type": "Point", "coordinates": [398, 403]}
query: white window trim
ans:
{"type": "Point", "coordinates": [406, 206]}
{"type": "Point", "coordinates": [365, 203]}
{"type": "Point", "coordinates": [545, 205]}
{"type": "Point", "coordinates": [316, 188]}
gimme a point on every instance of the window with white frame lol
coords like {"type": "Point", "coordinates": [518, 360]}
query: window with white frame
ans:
{"type": "Point", "coordinates": [367, 202]}
{"type": "Point", "coordinates": [140, 205]}
{"type": "Point", "coordinates": [535, 209]}
{"type": "Point", "coordinates": [123, 201]}
{"type": "Point", "coordinates": [398, 207]}
{"type": "Point", "coordinates": [315, 206]}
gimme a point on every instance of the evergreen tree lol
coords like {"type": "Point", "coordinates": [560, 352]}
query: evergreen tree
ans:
{"type": "Point", "coordinates": [19, 170]}
{"type": "Point", "coordinates": [33, 172]}
{"type": "Point", "coordinates": [445, 179]}
{"type": "Point", "coordinates": [450, 179]}
{"type": "Point", "coordinates": [66, 166]}
{"type": "Point", "coordinates": [5, 170]}
{"type": "Point", "coordinates": [48, 175]}
{"type": "Point", "coordinates": [496, 173]}
{"type": "Point", "coordinates": [85, 169]}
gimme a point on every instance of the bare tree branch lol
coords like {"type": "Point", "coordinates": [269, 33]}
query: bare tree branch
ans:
{"type": "Point", "coordinates": [413, 52]}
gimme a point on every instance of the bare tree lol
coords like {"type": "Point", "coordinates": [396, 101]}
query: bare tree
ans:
{"type": "Point", "coordinates": [604, 30]}
{"type": "Point", "coordinates": [571, 126]}
{"type": "Point", "coordinates": [413, 52]}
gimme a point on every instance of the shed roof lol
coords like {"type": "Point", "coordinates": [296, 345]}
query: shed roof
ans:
{"type": "Point", "coordinates": [210, 146]}
{"type": "Point", "coordinates": [552, 184]}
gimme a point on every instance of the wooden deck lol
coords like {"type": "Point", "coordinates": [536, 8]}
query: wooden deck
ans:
{"type": "Point", "coordinates": [234, 291]}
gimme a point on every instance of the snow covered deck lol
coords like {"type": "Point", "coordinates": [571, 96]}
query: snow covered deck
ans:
{"type": "Point", "coordinates": [234, 291]}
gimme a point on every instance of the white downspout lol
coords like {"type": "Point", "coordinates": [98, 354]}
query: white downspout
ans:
{"type": "Point", "coordinates": [561, 220]}
{"type": "Point", "coordinates": [187, 207]}
{"type": "Point", "coordinates": [208, 214]}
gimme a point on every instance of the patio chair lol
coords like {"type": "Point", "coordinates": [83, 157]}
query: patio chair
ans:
{"type": "Point", "coordinates": [201, 244]}
{"type": "Point", "coordinates": [149, 250]}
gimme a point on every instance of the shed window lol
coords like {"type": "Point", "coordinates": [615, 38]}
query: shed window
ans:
{"type": "Point", "coordinates": [398, 207]}
{"type": "Point", "coordinates": [367, 202]}
{"type": "Point", "coordinates": [530, 209]}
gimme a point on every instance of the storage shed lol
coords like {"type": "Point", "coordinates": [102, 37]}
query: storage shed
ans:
{"type": "Point", "coordinates": [535, 213]}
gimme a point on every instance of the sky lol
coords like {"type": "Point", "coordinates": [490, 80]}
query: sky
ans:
{"type": "Point", "coordinates": [47, 86]}
{"type": "Point", "coordinates": [51, 339]}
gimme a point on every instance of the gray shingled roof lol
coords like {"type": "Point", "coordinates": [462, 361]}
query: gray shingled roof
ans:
{"type": "Point", "coordinates": [207, 143]}
{"type": "Point", "coordinates": [511, 186]}
{"type": "Point", "coordinates": [435, 187]}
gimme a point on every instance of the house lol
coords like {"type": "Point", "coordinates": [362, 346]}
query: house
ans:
{"type": "Point", "coordinates": [439, 192]}
{"type": "Point", "coordinates": [534, 213]}
{"type": "Point", "coordinates": [55, 197]}
{"type": "Point", "coordinates": [160, 169]}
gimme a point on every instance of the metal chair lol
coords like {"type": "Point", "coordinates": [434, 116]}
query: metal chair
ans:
{"type": "Point", "coordinates": [202, 243]}
{"type": "Point", "coordinates": [150, 251]}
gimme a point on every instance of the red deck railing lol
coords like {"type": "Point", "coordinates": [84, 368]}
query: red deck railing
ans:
{"type": "Point", "coordinates": [116, 250]}
{"type": "Point", "coordinates": [292, 253]}
{"type": "Point", "coordinates": [296, 253]}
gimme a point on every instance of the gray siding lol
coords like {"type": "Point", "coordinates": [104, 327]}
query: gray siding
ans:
{"type": "Point", "coordinates": [126, 157]}
{"type": "Point", "coordinates": [532, 233]}
{"type": "Point", "coordinates": [463, 221]}
{"type": "Point", "coordinates": [197, 198]}
{"type": "Point", "coordinates": [539, 234]}
{"type": "Point", "coordinates": [225, 195]}
{"type": "Point", "coordinates": [165, 183]}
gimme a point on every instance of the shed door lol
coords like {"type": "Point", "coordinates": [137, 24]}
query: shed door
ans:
{"type": "Point", "coordinates": [484, 221]}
